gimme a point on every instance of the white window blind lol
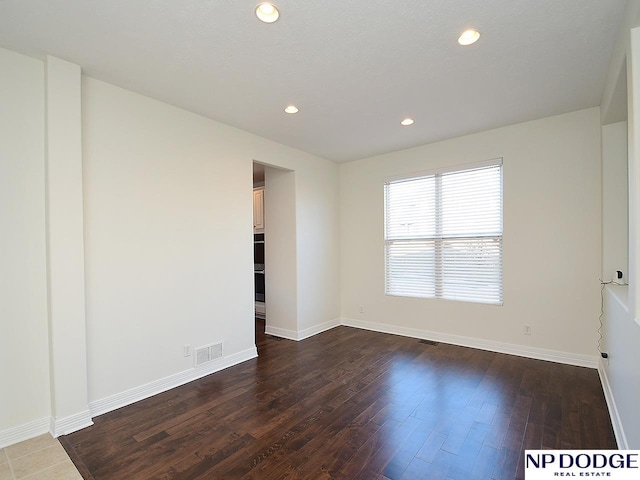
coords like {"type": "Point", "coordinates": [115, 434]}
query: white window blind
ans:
{"type": "Point", "coordinates": [443, 235]}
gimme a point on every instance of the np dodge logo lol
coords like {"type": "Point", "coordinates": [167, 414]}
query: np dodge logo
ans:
{"type": "Point", "coordinates": [610, 464]}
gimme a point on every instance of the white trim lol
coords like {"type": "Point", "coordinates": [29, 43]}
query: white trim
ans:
{"type": "Point", "coordinates": [23, 432]}
{"type": "Point", "coordinates": [511, 349]}
{"type": "Point", "coordinates": [70, 424]}
{"type": "Point", "coordinates": [104, 405]}
{"type": "Point", "coordinates": [281, 332]}
{"type": "Point", "coordinates": [302, 334]}
{"type": "Point", "coordinates": [616, 422]}
{"type": "Point", "coordinates": [323, 327]}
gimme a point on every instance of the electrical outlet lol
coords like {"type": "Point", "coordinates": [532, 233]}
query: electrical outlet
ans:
{"type": "Point", "coordinates": [361, 308]}
{"type": "Point", "coordinates": [186, 350]}
{"type": "Point", "coordinates": [527, 329]}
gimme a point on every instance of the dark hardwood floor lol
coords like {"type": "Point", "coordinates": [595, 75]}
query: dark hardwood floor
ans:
{"type": "Point", "coordinates": [351, 404]}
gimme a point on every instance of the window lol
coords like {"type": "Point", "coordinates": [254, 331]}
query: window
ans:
{"type": "Point", "coordinates": [443, 235]}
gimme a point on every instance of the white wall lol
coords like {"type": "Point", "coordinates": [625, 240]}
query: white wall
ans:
{"type": "Point", "coordinates": [317, 206]}
{"type": "Point", "coordinates": [620, 373]}
{"type": "Point", "coordinates": [167, 237]}
{"type": "Point", "coordinates": [65, 247]}
{"type": "Point", "coordinates": [621, 322]}
{"type": "Point", "coordinates": [301, 236]}
{"type": "Point", "coordinates": [615, 202]}
{"type": "Point", "coordinates": [168, 232]}
{"type": "Point", "coordinates": [552, 208]}
{"type": "Point", "coordinates": [633, 146]}
{"type": "Point", "coordinates": [167, 243]}
{"type": "Point", "coordinates": [281, 268]}
{"type": "Point", "coordinates": [24, 363]}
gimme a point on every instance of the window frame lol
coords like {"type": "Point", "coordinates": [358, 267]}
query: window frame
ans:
{"type": "Point", "coordinates": [439, 240]}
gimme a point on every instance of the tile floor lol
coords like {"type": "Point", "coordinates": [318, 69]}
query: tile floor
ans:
{"type": "Point", "coordinates": [41, 458]}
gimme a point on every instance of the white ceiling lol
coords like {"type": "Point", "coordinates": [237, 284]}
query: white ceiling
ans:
{"type": "Point", "coordinates": [355, 68]}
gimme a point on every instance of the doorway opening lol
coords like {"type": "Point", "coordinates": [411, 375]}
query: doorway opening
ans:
{"type": "Point", "coordinates": [259, 247]}
{"type": "Point", "coordinates": [275, 257]}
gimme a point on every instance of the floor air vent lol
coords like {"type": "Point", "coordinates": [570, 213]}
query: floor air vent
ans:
{"type": "Point", "coordinates": [207, 353]}
{"type": "Point", "coordinates": [429, 342]}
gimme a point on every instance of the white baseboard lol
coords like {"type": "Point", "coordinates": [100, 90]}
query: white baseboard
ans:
{"type": "Point", "coordinates": [70, 424]}
{"type": "Point", "coordinates": [99, 407]}
{"type": "Point", "coordinates": [323, 327]}
{"type": "Point", "coordinates": [76, 422]}
{"type": "Point", "coordinates": [511, 349]}
{"type": "Point", "coordinates": [281, 332]}
{"type": "Point", "coordinates": [304, 333]}
{"type": "Point", "coordinates": [23, 432]}
{"type": "Point", "coordinates": [616, 422]}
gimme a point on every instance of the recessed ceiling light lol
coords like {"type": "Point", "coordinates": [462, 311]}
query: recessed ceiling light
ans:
{"type": "Point", "coordinates": [267, 12]}
{"type": "Point", "coordinates": [406, 122]}
{"type": "Point", "coordinates": [291, 109]}
{"type": "Point", "coordinates": [468, 37]}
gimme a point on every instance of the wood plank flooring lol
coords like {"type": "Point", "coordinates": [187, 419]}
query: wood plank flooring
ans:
{"type": "Point", "coordinates": [351, 404]}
